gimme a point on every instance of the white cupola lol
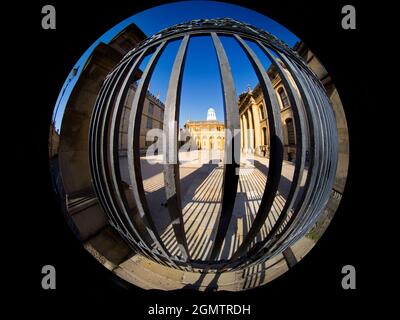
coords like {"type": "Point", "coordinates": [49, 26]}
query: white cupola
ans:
{"type": "Point", "coordinates": [211, 115]}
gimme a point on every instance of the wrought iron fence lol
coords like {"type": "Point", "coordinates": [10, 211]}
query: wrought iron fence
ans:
{"type": "Point", "coordinates": [316, 140]}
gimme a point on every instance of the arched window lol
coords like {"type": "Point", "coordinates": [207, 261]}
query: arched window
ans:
{"type": "Point", "coordinates": [290, 132]}
{"type": "Point", "coordinates": [264, 130]}
{"type": "Point", "coordinates": [284, 98]}
{"type": "Point", "coordinates": [262, 115]}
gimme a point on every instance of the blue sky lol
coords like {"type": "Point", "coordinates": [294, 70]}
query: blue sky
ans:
{"type": "Point", "coordinates": [201, 85]}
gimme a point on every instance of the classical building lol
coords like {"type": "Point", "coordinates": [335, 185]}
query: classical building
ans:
{"type": "Point", "coordinates": [253, 119]}
{"type": "Point", "coordinates": [252, 116]}
{"type": "Point", "coordinates": [208, 134]}
{"type": "Point", "coordinates": [152, 118]}
{"type": "Point", "coordinates": [74, 136]}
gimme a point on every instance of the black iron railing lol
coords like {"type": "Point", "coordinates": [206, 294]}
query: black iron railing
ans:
{"type": "Point", "coordinates": [315, 132]}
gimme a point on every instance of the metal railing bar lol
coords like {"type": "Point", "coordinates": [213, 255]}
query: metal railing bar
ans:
{"type": "Point", "coordinates": [171, 166]}
{"type": "Point", "coordinates": [276, 147]}
{"type": "Point", "coordinates": [134, 153]}
{"type": "Point", "coordinates": [137, 226]}
{"type": "Point", "coordinates": [232, 151]}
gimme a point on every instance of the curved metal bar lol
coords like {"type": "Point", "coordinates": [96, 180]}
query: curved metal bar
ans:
{"type": "Point", "coordinates": [101, 164]}
{"type": "Point", "coordinates": [332, 152]}
{"type": "Point", "coordinates": [314, 195]}
{"type": "Point", "coordinates": [136, 226]}
{"type": "Point", "coordinates": [319, 192]}
{"type": "Point", "coordinates": [171, 166]}
{"type": "Point", "coordinates": [276, 147]}
{"type": "Point", "coordinates": [134, 153]}
{"type": "Point", "coordinates": [312, 114]}
{"type": "Point", "coordinates": [232, 150]}
{"type": "Point", "coordinates": [314, 126]}
{"type": "Point", "coordinates": [94, 146]}
{"type": "Point", "coordinates": [299, 112]}
{"type": "Point", "coordinates": [222, 25]}
{"type": "Point", "coordinates": [313, 169]}
{"type": "Point", "coordinates": [301, 126]}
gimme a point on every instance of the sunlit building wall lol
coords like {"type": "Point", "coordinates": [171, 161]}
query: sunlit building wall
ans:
{"type": "Point", "coordinates": [152, 118]}
{"type": "Point", "coordinates": [207, 134]}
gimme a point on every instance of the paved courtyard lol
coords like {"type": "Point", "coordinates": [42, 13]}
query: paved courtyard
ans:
{"type": "Point", "coordinates": [201, 189]}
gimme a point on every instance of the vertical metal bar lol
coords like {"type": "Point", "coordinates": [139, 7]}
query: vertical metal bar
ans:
{"type": "Point", "coordinates": [101, 155]}
{"type": "Point", "coordinates": [171, 166]}
{"type": "Point", "coordinates": [320, 171]}
{"type": "Point", "coordinates": [301, 126]}
{"type": "Point", "coordinates": [103, 125]}
{"type": "Point", "coordinates": [316, 156]}
{"type": "Point", "coordinates": [311, 112]}
{"type": "Point", "coordinates": [306, 206]}
{"type": "Point", "coordinates": [94, 147]}
{"type": "Point", "coordinates": [314, 207]}
{"type": "Point", "coordinates": [317, 169]}
{"type": "Point", "coordinates": [276, 157]}
{"type": "Point", "coordinates": [137, 226]}
{"type": "Point", "coordinates": [290, 258]}
{"type": "Point", "coordinates": [232, 151]}
{"type": "Point", "coordinates": [330, 155]}
{"type": "Point", "coordinates": [135, 173]}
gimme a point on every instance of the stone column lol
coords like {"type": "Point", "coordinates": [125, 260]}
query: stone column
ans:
{"type": "Point", "coordinates": [257, 128]}
{"type": "Point", "coordinates": [251, 129]}
{"type": "Point", "coordinates": [241, 133]}
{"type": "Point", "coordinates": [245, 133]}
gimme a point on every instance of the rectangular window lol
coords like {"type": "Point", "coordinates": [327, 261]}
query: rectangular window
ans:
{"type": "Point", "coordinates": [284, 98]}
{"type": "Point", "coordinates": [149, 123]}
{"type": "Point", "coordinates": [151, 108]}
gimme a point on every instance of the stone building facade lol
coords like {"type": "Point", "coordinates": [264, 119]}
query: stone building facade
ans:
{"type": "Point", "coordinates": [254, 119]}
{"type": "Point", "coordinates": [74, 135]}
{"type": "Point", "coordinates": [152, 118]}
{"type": "Point", "coordinates": [253, 115]}
{"type": "Point", "coordinates": [208, 134]}
{"type": "Point", "coordinates": [70, 167]}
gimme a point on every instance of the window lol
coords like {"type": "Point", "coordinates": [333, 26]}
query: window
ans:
{"type": "Point", "coordinates": [262, 116]}
{"type": "Point", "coordinates": [284, 98]}
{"type": "Point", "coordinates": [290, 132]}
{"type": "Point", "coordinates": [149, 123]}
{"type": "Point", "coordinates": [151, 108]}
{"type": "Point", "coordinates": [264, 130]}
